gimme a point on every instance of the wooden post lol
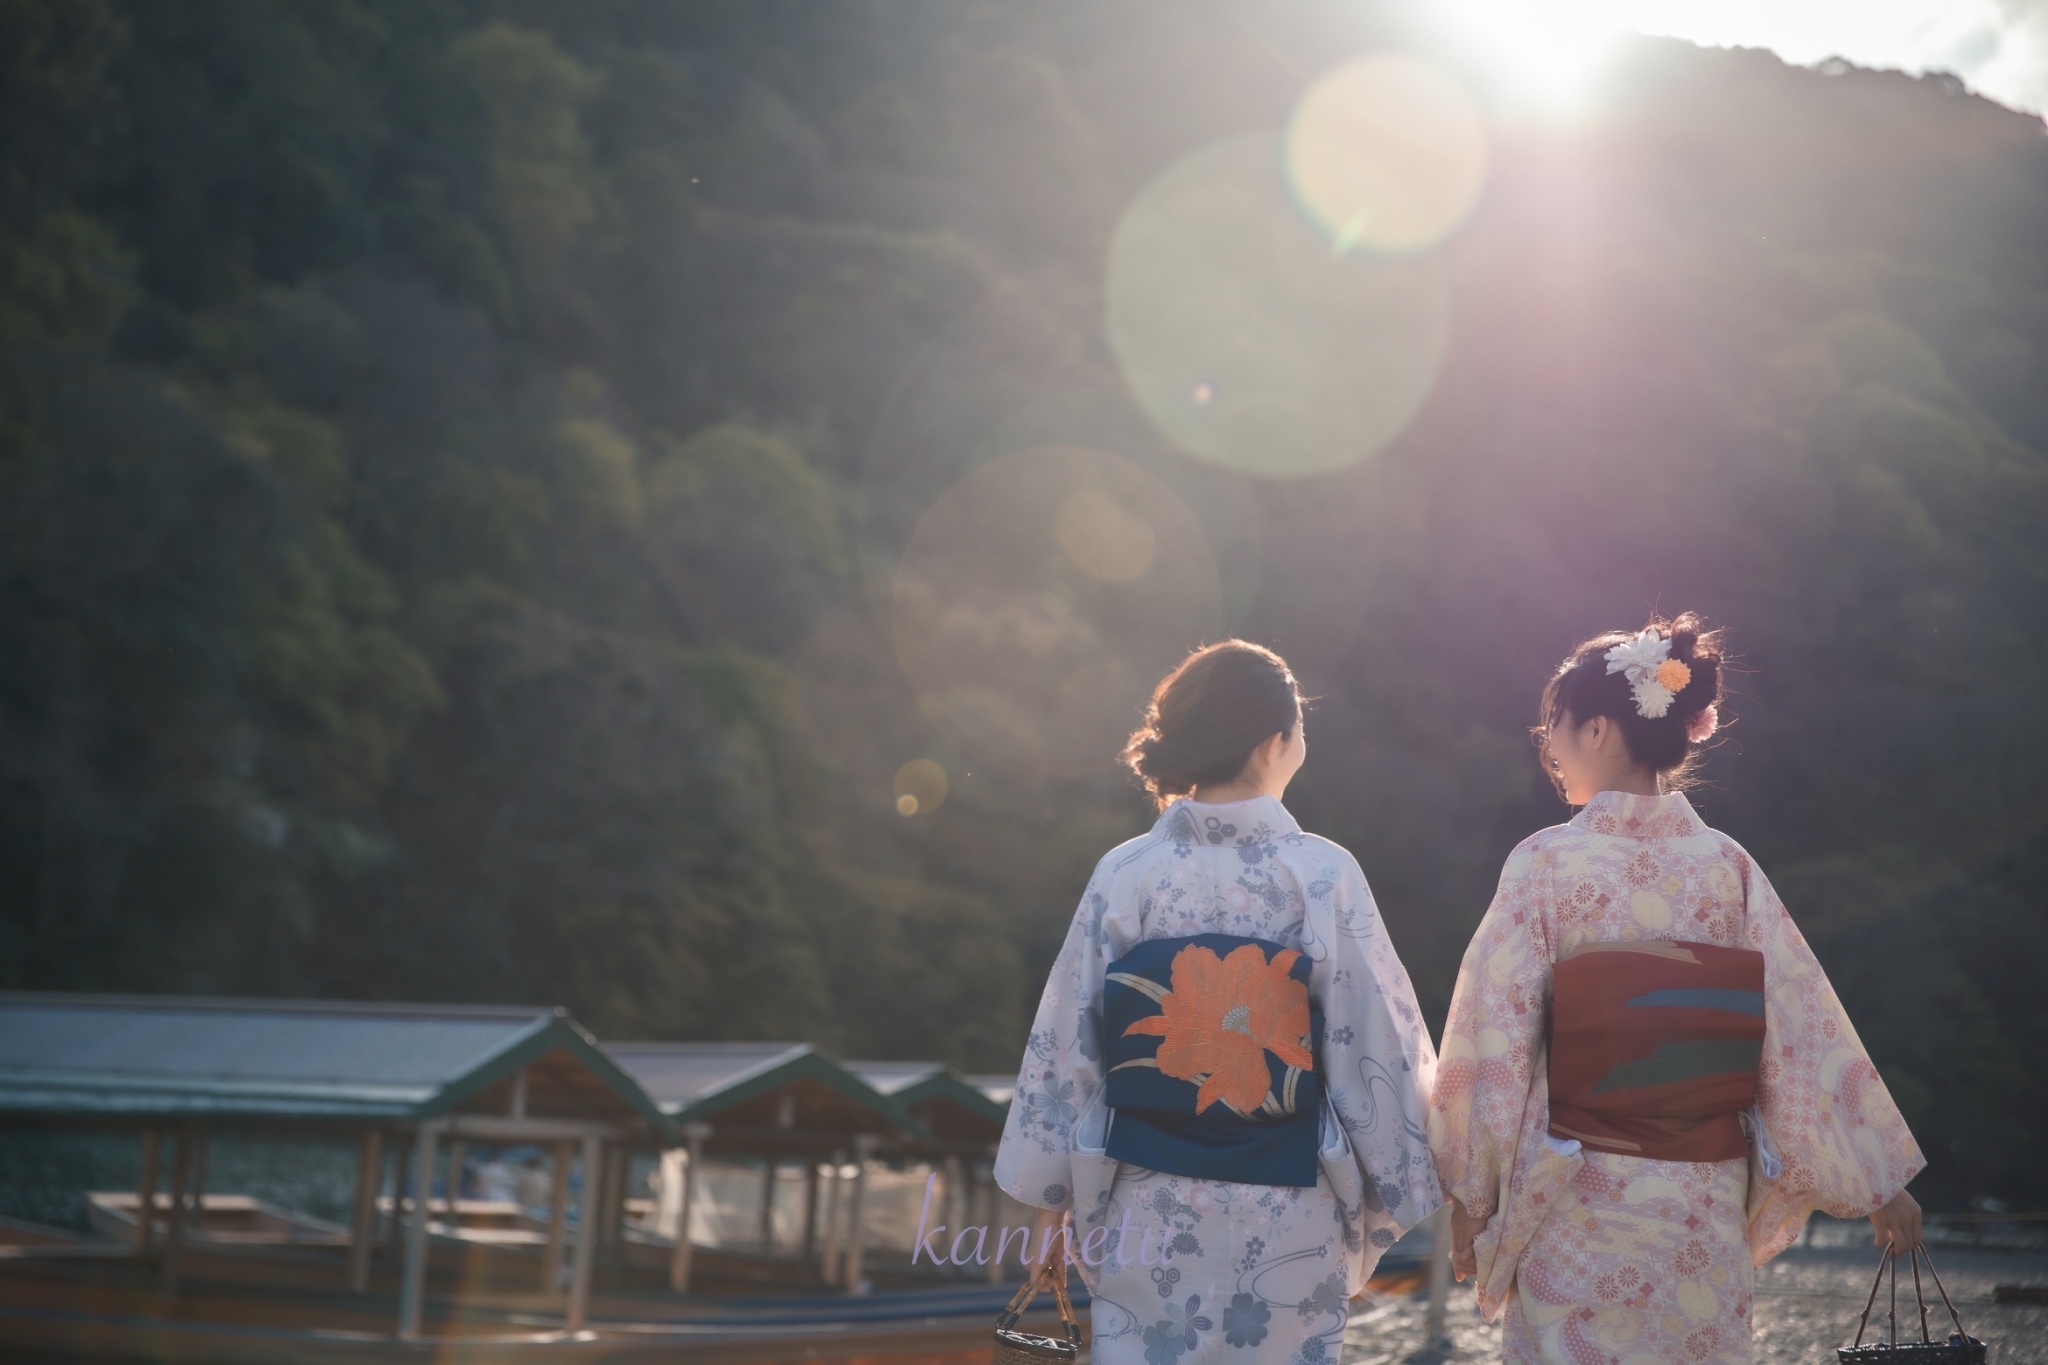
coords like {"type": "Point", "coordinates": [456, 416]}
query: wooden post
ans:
{"type": "Point", "coordinates": [828, 1268]}
{"type": "Point", "coordinates": [768, 1206]}
{"type": "Point", "coordinates": [668, 1189]}
{"type": "Point", "coordinates": [985, 1176]}
{"type": "Point", "coordinates": [145, 1195]}
{"type": "Point", "coordinates": [363, 1226]}
{"type": "Point", "coordinates": [412, 1284]}
{"type": "Point", "coordinates": [587, 1215]}
{"type": "Point", "coordinates": [954, 1209]}
{"type": "Point", "coordinates": [856, 1233]}
{"type": "Point", "coordinates": [401, 1166]}
{"type": "Point", "coordinates": [619, 1165]}
{"type": "Point", "coordinates": [558, 1219]}
{"type": "Point", "coordinates": [174, 1225]}
{"type": "Point", "coordinates": [607, 1204]}
{"type": "Point", "coordinates": [202, 1149]}
{"type": "Point", "coordinates": [679, 1260]}
{"type": "Point", "coordinates": [810, 1206]}
{"type": "Point", "coordinates": [456, 1156]}
{"type": "Point", "coordinates": [1433, 1322]}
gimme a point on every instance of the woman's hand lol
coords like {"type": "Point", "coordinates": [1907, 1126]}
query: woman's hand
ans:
{"type": "Point", "coordinates": [1898, 1222]}
{"type": "Point", "coordinates": [1465, 1229]}
{"type": "Point", "coordinates": [1047, 1244]}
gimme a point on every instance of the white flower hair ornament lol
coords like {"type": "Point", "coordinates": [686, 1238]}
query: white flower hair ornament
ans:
{"type": "Point", "coordinates": [1654, 677]}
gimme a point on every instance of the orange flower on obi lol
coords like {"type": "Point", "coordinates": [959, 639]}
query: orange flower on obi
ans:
{"type": "Point", "coordinates": [1221, 1018]}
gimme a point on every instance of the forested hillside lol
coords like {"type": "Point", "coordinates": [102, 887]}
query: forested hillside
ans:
{"type": "Point", "coordinates": [515, 501]}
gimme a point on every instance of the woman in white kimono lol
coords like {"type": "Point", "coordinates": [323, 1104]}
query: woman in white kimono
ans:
{"type": "Point", "coordinates": [1615, 1177]}
{"type": "Point", "coordinates": [1292, 1069]}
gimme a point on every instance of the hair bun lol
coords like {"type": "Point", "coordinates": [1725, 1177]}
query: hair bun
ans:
{"type": "Point", "coordinates": [1587, 684]}
{"type": "Point", "coordinates": [1207, 715]}
{"type": "Point", "coordinates": [1684, 634]}
{"type": "Point", "coordinates": [1696, 649]}
{"type": "Point", "coordinates": [1703, 687]}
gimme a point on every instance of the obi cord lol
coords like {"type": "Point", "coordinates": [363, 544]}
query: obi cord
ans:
{"type": "Point", "coordinates": [1654, 1048]}
{"type": "Point", "coordinates": [1210, 1043]}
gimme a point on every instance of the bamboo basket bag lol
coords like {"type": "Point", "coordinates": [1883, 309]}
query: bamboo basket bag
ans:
{"type": "Point", "coordinates": [1028, 1348]}
{"type": "Point", "coordinates": [1960, 1349]}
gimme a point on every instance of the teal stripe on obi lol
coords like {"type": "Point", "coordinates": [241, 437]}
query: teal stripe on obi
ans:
{"type": "Point", "coordinates": [1210, 1044]}
{"type": "Point", "coordinates": [1689, 1061]}
{"type": "Point", "coordinates": [1700, 998]}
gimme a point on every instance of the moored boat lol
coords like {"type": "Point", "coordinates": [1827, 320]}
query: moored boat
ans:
{"type": "Point", "coordinates": [229, 1218]}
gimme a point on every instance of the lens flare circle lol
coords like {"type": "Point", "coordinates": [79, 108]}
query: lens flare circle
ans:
{"type": "Point", "coordinates": [920, 787]}
{"type": "Point", "coordinates": [1386, 154]}
{"type": "Point", "coordinates": [1105, 539]}
{"type": "Point", "coordinates": [1039, 599]}
{"type": "Point", "coordinates": [1247, 341]}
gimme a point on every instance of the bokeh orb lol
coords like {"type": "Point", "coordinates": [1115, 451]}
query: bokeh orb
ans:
{"type": "Point", "coordinates": [1101, 416]}
{"type": "Point", "coordinates": [1386, 155]}
{"type": "Point", "coordinates": [1104, 538]}
{"type": "Point", "coordinates": [1041, 597]}
{"type": "Point", "coordinates": [1247, 340]}
{"type": "Point", "coordinates": [920, 787]}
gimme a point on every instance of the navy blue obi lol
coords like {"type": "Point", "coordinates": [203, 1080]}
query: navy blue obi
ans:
{"type": "Point", "coordinates": [1210, 1046]}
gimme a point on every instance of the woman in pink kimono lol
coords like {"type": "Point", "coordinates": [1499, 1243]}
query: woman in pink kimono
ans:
{"type": "Point", "coordinates": [1646, 1082]}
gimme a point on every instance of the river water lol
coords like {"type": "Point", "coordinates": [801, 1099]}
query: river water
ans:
{"type": "Point", "coordinates": [1807, 1304]}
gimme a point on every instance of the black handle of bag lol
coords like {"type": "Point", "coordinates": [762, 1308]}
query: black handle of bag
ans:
{"type": "Point", "coordinates": [1007, 1319]}
{"type": "Point", "coordinates": [1925, 1339]}
{"type": "Point", "coordinates": [1863, 1325]}
{"type": "Point", "coordinates": [1066, 1307]}
{"type": "Point", "coordinates": [1890, 1262]}
{"type": "Point", "coordinates": [1952, 1315]}
{"type": "Point", "coordinates": [1019, 1301]}
{"type": "Point", "coordinates": [1892, 1257]}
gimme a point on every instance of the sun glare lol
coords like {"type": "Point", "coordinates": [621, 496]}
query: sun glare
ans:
{"type": "Point", "coordinates": [1549, 48]}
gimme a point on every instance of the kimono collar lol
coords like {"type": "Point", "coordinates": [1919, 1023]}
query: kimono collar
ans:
{"type": "Point", "coordinates": [1233, 824]}
{"type": "Point", "coordinates": [1670, 816]}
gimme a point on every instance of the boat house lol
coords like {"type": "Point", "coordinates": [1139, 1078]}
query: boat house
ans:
{"type": "Point", "coordinates": [411, 1084]}
{"type": "Point", "coordinates": [776, 1104]}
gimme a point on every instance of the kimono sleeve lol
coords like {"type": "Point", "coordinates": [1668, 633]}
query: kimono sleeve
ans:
{"type": "Point", "coordinates": [1377, 1059]}
{"type": "Point", "coordinates": [1062, 1070]}
{"type": "Point", "coordinates": [1489, 1075]}
{"type": "Point", "coordinates": [1844, 1145]}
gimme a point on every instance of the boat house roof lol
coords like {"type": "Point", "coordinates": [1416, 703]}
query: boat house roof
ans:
{"type": "Point", "coordinates": [147, 1059]}
{"type": "Point", "coordinates": [1000, 1089]}
{"type": "Point", "coordinates": [956, 1111]}
{"type": "Point", "coordinates": [764, 1096]}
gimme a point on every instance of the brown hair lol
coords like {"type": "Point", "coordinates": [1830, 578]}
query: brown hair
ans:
{"type": "Point", "coordinates": [1582, 688]}
{"type": "Point", "coordinates": [1207, 716]}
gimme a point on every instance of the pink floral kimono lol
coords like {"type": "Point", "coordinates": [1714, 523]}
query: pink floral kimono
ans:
{"type": "Point", "coordinates": [1599, 1257]}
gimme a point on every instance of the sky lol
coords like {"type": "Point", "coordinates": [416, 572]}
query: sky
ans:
{"type": "Point", "coordinates": [1998, 47]}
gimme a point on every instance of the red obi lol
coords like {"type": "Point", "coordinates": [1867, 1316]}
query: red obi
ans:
{"type": "Point", "coordinates": [1654, 1048]}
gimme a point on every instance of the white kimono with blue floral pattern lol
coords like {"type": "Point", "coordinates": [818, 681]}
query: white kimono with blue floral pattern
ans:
{"type": "Point", "coordinates": [1251, 1274]}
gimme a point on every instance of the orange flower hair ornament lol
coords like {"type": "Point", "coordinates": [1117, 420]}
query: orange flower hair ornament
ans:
{"type": "Point", "coordinates": [1221, 1018]}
